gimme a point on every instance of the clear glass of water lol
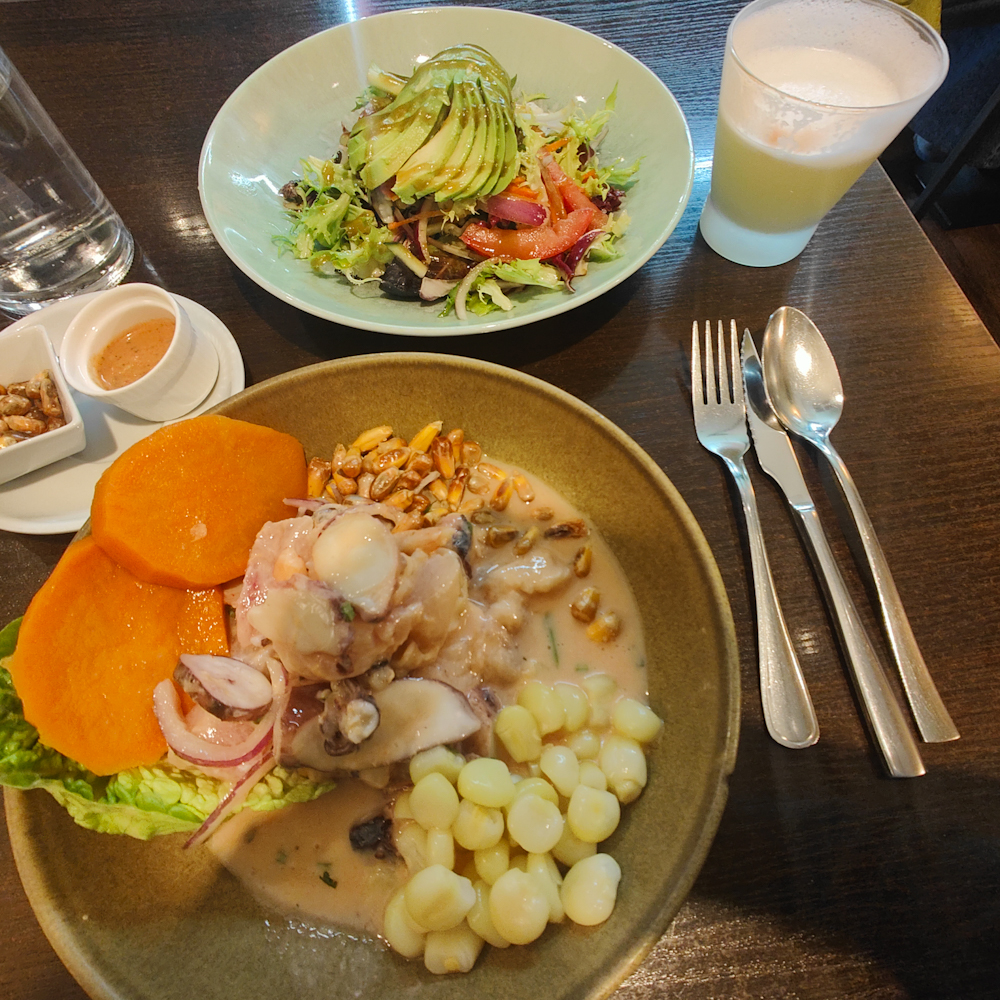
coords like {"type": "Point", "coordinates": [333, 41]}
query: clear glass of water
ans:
{"type": "Point", "coordinates": [812, 91]}
{"type": "Point", "coordinates": [59, 235]}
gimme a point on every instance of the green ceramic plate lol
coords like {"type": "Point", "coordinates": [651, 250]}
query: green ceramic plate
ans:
{"type": "Point", "coordinates": [150, 920]}
{"type": "Point", "coordinates": [294, 106]}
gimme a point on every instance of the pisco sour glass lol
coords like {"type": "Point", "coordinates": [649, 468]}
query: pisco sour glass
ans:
{"type": "Point", "coordinates": [812, 91]}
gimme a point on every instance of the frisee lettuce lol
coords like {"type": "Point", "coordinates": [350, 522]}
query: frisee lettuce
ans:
{"type": "Point", "coordinates": [142, 802]}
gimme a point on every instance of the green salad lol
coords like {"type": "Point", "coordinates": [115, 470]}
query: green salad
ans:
{"type": "Point", "coordinates": [448, 188]}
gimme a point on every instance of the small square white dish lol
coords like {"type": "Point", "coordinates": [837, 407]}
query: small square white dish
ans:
{"type": "Point", "coordinates": [23, 354]}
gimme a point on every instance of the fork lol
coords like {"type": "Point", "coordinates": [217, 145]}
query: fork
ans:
{"type": "Point", "coordinates": [720, 420]}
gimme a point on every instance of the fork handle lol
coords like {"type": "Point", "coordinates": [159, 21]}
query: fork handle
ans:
{"type": "Point", "coordinates": [929, 712]}
{"type": "Point", "coordinates": [788, 709]}
{"type": "Point", "coordinates": [882, 710]}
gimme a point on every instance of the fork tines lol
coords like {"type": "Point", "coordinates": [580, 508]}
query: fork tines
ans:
{"type": "Point", "coordinates": [716, 385]}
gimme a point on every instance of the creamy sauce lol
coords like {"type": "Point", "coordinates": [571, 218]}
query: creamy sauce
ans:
{"type": "Point", "coordinates": [288, 858]}
{"type": "Point", "coordinates": [133, 353]}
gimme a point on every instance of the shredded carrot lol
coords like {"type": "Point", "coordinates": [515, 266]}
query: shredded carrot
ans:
{"type": "Point", "coordinates": [414, 218]}
{"type": "Point", "coordinates": [588, 174]}
{"type": "Point", "coordinates": [521, 191]}
{"type": "Point", "coordinates": [556, 144]}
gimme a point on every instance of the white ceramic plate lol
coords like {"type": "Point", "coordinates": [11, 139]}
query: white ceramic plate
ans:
{"type": "Point", "coordinates": [57, 498]}
{"type": "Point", "coordinates": [294, 106]}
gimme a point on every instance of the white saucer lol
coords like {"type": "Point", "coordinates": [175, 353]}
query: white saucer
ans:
{"type": "Point", "coordinates": [56, 499]}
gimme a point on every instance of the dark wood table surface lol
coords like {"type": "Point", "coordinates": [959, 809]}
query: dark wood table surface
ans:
{"type": "Point", "coordinates": [826, 879]}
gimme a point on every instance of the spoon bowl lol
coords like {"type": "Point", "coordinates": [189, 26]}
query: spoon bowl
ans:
{"type": "Point", "coordinates": [801, 375]}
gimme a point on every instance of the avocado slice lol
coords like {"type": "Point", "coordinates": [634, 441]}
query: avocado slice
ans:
{"type": "Point", "coordinates": [459, 182]}
{"type": "Point", "coordinates": [425, 170]}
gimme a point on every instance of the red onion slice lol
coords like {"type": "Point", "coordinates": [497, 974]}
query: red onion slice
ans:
{"type": "Point", "coordinates": [530, 213]}
{"type": "Point", "coordinates": [201, 723]}
{"type": "Point", "coordinates": [187, 746]}
{"type": "Point", "coordinates": [231, 682]}
{"type": "Point", "coordinates": [232, 800]}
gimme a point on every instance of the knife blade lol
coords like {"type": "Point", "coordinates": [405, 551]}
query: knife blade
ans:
{"type": "Point", "coordinates": [777, 458]}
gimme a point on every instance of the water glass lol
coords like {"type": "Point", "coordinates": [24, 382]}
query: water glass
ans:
{"type": "Point", "coordinates": [59, 235]}
{"type": "Point", "coordinates": [812, 91]}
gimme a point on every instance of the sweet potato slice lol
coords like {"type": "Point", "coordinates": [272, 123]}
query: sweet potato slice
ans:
{"type": "Point", "coordinates": [183, 506]}
{"type": "Point", "coordinates": [94, 643]}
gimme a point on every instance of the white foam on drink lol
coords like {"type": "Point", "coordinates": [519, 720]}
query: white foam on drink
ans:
{"type": "Point", "coordinates": [823, 76]}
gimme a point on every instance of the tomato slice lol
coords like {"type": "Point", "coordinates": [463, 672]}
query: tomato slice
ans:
{"type": "Point", "coordinates": [537, 243]}
{"type": "Point", "coordinates": [573, 195]}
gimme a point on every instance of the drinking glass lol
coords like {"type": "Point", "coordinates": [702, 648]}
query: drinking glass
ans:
{"type": "Point", "coordinates": [812, 91]}
{"type": "Point", "coordinates": [58, 233]}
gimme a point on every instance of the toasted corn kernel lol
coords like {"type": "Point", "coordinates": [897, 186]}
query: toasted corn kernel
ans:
{"type": "Point", "coordinates": [55, 422]}
{"type": "Point", "coordinates": [421, 441]}
{"type": "Point", "coordinates": [345, 485]}
{"type": "Point", "coordinates": [409, 522]}
{"type": "Point", "coordinates": [339, 457]}
{"type": "Point", "coordinates": [371, 438]}
{"type": "Point", "coordinates": [419, 503]}
{"type": "Point", "coordinates": [51, 406]}
{"type": "Point", "coordinates": [478, 483]}
{"type": "Point", "coordinates": [471, 505]}
{"type": "Point", "coordinates": [331, 491]}
{"type": "Point", "coordinates": [471, 453]}
{"type": "Point", "coordinates": [391, 445]}
{"type": "Point", "coordinates": [401, 499]}
{"type": "Point", "coordinates": [419, 462]}
{"type": "Point", "coordinates": [584, 608]}
{"type": "Point", "coordinates": [502, 496]}
{"type": "Point", "coordinates": [457, 487]}
{"type": "Point", "coordinates": [365, 481]}
{"type": "Point", "coordinates": [409, 480]}
{"type": "Point", "coordinates": [444, 460]}
{"type": "Point", "coordinates": [523, 488]}
{"type": "Point", "coordinates": [351, 466]}
{"type": "Point", "coordinates": [567, 529]}
{"type": "Point", "coordinates": [439, 489]}
{"type": "Point", "coordinates": [391, 458]}
{"type": "Point", "coordinates": [384, 483]}
{"type": "Point", "coordinates": [525, 542]}
{"type": "Point", "coordinates": [543, 513]}
{"type": "Point", "coordinates": [455, 438]}
{"type": "Point", "coordinates": [583, 560]}
{"type": "Point", "coordinates": [492, 471]}
{"type": "Point", "coordinates": [499, 535]}
{"type": "Point", "coordinates": [318, 475]}
{"type": "Point", "coordinates": [605, 628]}
{"type": "Point", "coordinates": [483, 517]}
{"type": "Point", "coordinates": [436, 511]}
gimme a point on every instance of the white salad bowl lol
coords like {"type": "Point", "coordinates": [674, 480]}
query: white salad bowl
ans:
{"type": "Point", "coordinates": [295, 106]}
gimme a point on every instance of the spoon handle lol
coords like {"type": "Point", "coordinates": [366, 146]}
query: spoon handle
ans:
{"type": "Point", "coordinates": [885, 717]}
{"type": "Point", "coordinates": [788, 709]}
{"type": "Point", "coordinates": [932, 718]}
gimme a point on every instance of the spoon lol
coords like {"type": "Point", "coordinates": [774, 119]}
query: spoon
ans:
{"type": "Point", "coordinates": [806, 392]}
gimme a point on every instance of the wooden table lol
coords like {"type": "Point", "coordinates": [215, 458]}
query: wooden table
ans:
{"type": "Point", "coordinates": [826, 880]}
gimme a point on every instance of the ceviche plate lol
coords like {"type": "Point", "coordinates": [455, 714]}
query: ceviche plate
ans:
{"type": "Point", "coordinates": [295, 106]}
{"type": "Point", "coordinates": [137, 919]}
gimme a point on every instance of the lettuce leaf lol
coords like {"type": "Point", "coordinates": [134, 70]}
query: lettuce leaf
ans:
{"type": "Point", "coordinates": [142, 802]}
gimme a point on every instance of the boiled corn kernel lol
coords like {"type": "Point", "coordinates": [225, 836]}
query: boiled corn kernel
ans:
{"type": "Point", "coordinates": [440, 759]}
{"type": "Point", "coordinates": [576, 705]}
{"type": "Point", "coordinates": [560, 765]}
{"type": "Point", "coordinates": [544, 704]}
{"type": "Point", "coordinates": [571, 848]}
{"type": "Point", "coordinates": [637, 721]}
{"type": "Point", "coordinates": [492, 862]}
{"type": "Point", "coordinates": [401, 930]}
{"type": "Point", "coordinates": [434, 801]}
{"type": "Point", "coordinates": [453, 950]}
{"type": "Point", "coordinates": [441, 848]}
{"type": "Point", "coordinates": [592, 815]}
{"type": "Point", "coordinates": [410, 840]}
{"type": "Point", "coordinates": [591, 774]}
{"type": "Point", "coordinates": [487, 782]}
{"type": "Point", "coordinates": [534, 823]}
{"type": "Point", "coordinates": [590, 889]}
{"type": "Point", "coordinates": [601, 690]}
{"type": "Point", "coordinates": [543, 867]}
{"type": "Point", "coordinates": [518, 907]}
{"type": "Point", "coordinates": [518, 731]}
{"type": "Point", "coordinates": [437, 898]}
{"type": "Point", "coordinates": [519, 860]}
{"type": "Point", "coordinates": [479, 919]}
{"type": "Point", "coordinates": [535, 786]}
{"type": "Point", "coordinates": [477, 827]}
{"type": "Point", "coordinates": [401, 807]}
{"type": "Point", "coordinates": [585, 743]}
{"type": "Point", "coordinates": [624, 763]}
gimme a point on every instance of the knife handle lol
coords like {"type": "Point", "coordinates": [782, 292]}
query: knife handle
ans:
{"type": "Point", "coordinates": [881, 708]}
{"type": "Point", "coordinates": [932, 718]}
{"type": "Point", "coordinates": [788, 709]}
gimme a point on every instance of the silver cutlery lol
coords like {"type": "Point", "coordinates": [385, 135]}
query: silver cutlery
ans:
{"type": "Point", "coordinates": [777, 458]}
{"type": "Point", "coordinates": [805, 389]}
{"type": "Point", "coordinates": [721, 424]}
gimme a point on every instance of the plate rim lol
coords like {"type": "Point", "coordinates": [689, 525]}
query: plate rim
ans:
{"type": "Point", "coordinates": [504, 321]}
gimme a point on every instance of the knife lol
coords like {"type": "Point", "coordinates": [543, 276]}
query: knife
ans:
{"type": "Point", "coordinates": [777, 458]}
